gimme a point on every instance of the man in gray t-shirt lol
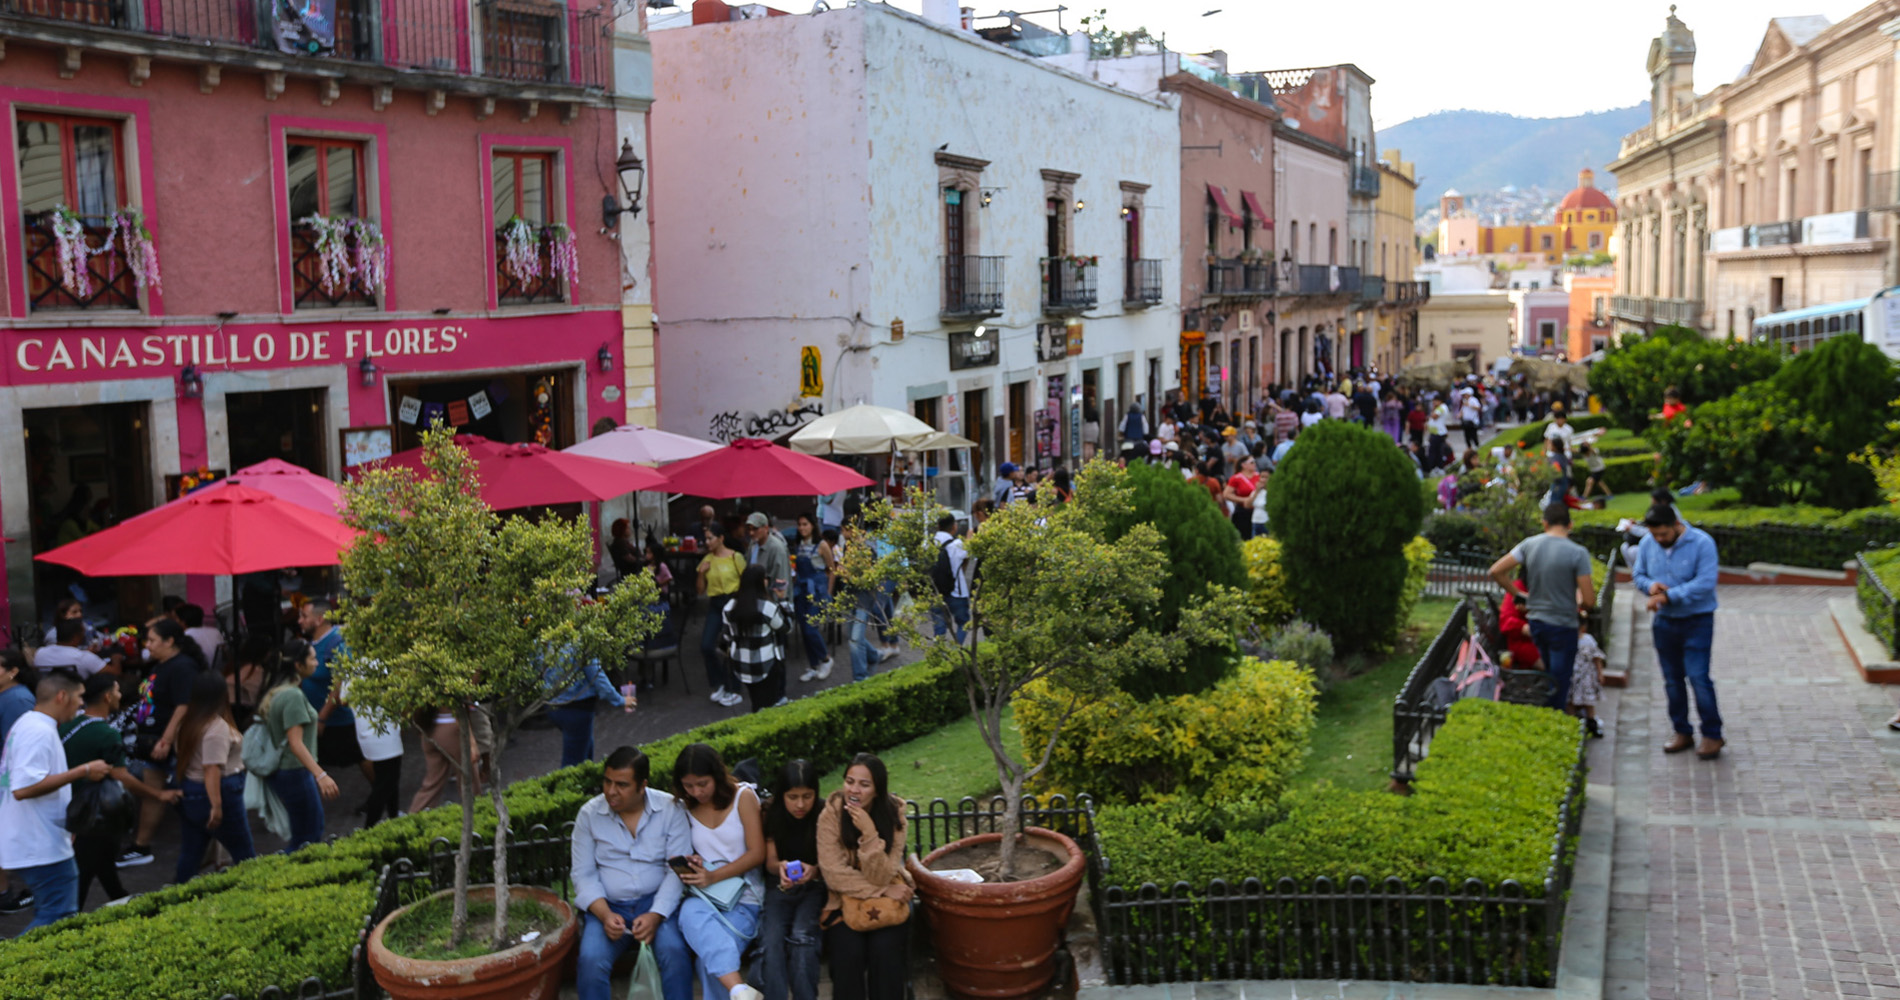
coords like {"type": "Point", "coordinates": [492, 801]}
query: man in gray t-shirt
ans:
{"type": "Point", "coordinates": [1557, 573]}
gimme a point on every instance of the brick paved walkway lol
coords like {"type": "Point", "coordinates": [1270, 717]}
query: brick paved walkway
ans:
{"type": "Point", "coordinates": [1774, 872]}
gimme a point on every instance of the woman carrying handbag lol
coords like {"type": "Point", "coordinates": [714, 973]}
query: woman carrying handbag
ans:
{"type": "Point", "coordinates": [867, 913]}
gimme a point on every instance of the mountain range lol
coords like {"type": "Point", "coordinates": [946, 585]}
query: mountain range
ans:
{"type": "Point", "coordinates": [1476, 151]}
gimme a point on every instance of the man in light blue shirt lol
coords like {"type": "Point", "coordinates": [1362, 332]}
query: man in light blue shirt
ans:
{"type": "Point", "coordinates": [622, 884]}
{"type": "Point", "coordinates": [1676, 568]}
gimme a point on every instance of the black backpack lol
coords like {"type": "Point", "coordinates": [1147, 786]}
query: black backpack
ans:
{"type": "Point", "coordinates": [942, 575]}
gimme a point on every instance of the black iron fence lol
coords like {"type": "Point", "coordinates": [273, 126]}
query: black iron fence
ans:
{"type": "Point", "coordinates": [1457, 572]}
{"type": "Point", "coordinates": [1415, 720]}
{"type": "Point", "coordinates": [1878, 604]}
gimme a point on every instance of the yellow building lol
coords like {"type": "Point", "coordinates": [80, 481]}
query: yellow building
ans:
{"type": "Point", "coordinates": [1395, 323]}
{"type": "Point", "coordinates": [1586, 219]}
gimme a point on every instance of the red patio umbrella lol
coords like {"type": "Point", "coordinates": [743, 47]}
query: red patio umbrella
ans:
{"type": "Point", "coordinates": [752, 467]}
{"type": "Point", "coordinates": [219, 532]}
{"type": "Point", "coordinates": [285, 481]}
{"type": "Point", "coordinates": [532, 475]}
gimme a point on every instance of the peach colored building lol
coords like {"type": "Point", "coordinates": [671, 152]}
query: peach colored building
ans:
{"type": "Point", "coordinates": [1590, 322]}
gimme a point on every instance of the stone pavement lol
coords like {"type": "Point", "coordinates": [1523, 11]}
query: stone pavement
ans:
{"type": "Point", "coordinates": [1773, 872]}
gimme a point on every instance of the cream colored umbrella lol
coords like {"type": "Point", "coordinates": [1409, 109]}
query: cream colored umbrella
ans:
{"type": "Point", "coordinates": [942, 440]}
{"type": "Point", "coordinates": [862, 430]}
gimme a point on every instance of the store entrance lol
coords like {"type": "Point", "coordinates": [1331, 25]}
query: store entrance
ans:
{"type": "Point", "coordinates": [286, 424]}
{"type": "Point", "coordinates": [513, 408]}
{"type": "Point", "coordinates": [88, 467]}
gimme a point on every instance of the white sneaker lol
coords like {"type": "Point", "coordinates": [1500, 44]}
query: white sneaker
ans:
{"type": "Point", "coordinates": [732, 698]}
{"type": "Point", "coordinates": [823, 671]}
{"type": "Point", "coordinates": [781, 701]}
{"type": "Point", "coordinates": [744, 992]}
{"type": "Point", "coordinates": [719, 696]}
{"type": "Point", "coordinates": [812, 672]}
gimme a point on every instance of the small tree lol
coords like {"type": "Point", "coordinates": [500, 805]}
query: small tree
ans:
{"type": "Point", "coordinates": [1053, 599]}
{"type": "Point", "coordinates": [1636, 370]}
{"type": "Point", "coordinates": [450, 606]}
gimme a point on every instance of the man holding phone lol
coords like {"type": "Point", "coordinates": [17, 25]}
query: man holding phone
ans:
{"type": "Point", "coordinates": [627, 843]}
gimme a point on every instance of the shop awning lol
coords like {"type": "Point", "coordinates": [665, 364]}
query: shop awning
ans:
{"type": "Point", "coordinates": [1260, 216]}
{"type": "Point", "coordinates": [1220, 201]}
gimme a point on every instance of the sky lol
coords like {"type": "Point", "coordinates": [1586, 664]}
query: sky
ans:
{"type": "Point", "coordinates": [1454, 54]}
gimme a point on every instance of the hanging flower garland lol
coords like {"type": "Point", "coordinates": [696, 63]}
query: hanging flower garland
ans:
{"type": "Point", "coordinates": [566, 253]}
{"type": "Point", "coordinates": [371, 260]}
{"type": "Point", "coordinates": [349, 247]}
{"type": "Point", "coordinates": [69, 244]}
{"type": "Point", "coordinates": [521, 249]}
{"type": "Point", "coordinates": [333, 251]}
{"type": "Point", "coordinates": [135, 243]}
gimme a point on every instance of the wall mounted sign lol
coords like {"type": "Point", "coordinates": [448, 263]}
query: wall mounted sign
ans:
{"type": "Point", "coordinates": [967, 350]}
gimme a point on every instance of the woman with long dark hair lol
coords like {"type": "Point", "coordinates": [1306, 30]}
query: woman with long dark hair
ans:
{"type": "Point", "coordinates": [813, 562]}
{"type": "Point", "coordinates": [720, 913]}
{"type": "Point", "coordinates": [759, 628]}
{"type": "Point", "coordinates": [861, 855]}
{"type": "Point", "coordinates": [211, 773]}
{"type": "Point", "coordinates": [299, 781]}
{"type": "Point", "coordinates": [794, 891]}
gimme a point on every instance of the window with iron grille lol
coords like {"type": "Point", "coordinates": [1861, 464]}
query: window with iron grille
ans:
{"type": "Point", "coordinates": [77, 164]}
{"type": "Point", "coordinates": [522, 40]}
{"type": "Point", "coordinates": [525, 229]}
{"type": "Point", "coordinates": [325, 182]}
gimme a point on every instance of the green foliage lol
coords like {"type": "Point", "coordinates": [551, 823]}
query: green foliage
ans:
{"type": "Point", "coordinates": [1510, 511]}
{"type": "Point", "coordinates": [1874, 605]}
{"type": "Point", "coordinates": [1453, 531]}
{"type": "Point", "coordinates": [1202, 551]}
{"type": "Point", "coordinates": [1239, 740]}
{"type": "Point", "coordinates": [1635, 371]}
{"type": "Point", "coordinates": [1344, 504]}
{"type": "Point", "coordinates": [1419, 553]}
{"type": "Point", "coordinates": [1624, 473]}
{"type": "Point", "coordinates": [1267, 593]}
{"type": "Point", "coordinates": [1484, 806]}
{"type": "Point", "coordinates": [1532, 434]}
{"type": "Point", "coordinates": [1299, 642]}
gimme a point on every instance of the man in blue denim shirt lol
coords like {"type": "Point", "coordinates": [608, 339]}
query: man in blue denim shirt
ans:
{"type": "Point", "coordinates": [1676, 568]}
{"type": "Point", "coordinates": [622, 884]}
{"type": "Point", "coordinates": [577, 689]}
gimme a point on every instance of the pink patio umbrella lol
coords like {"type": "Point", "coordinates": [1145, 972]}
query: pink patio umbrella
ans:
{"type": "Point", "coordinates": [215, 532]}
{"type": "Point", "coordinates": [642, 445]}
{"type": "Point", "coordinates": [532, 475]}
{"type": "Point", "coordinates": [753, 467]}
{"type": "Point", "coordinates": [286, 481]}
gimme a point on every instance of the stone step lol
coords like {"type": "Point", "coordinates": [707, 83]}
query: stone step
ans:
{"type": "Point", "coordinates": [1870, 655]}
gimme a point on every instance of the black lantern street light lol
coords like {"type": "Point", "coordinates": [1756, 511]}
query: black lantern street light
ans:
{"type": "Point", "coordinates": [605, 357]}
{"type": "Point", "coordinates": [1288, 271]}
{"type": "Point", "coordinates": [366, 369]}
{"type": "Point", "coordinates": [632, 174]}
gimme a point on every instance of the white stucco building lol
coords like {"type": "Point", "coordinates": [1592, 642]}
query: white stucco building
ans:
{"type": "Point", "coordinates": [865, 206]}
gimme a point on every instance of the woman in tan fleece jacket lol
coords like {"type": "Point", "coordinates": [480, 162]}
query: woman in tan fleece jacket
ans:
{"type": "Point", "coordinates": [861, 855]}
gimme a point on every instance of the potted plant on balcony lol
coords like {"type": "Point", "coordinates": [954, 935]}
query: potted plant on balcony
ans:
{"type": "Point", "coordinates": [1252, 255]}
{"type": "Point", "coordinates": [451, 608]}
{"type": "Point", "coordinates": [1062, 600]}
{"type": "Point", "coordinates": [348, 248]}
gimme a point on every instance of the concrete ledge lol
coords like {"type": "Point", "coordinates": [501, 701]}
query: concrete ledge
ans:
{"type": "Point", "coordinates": [1312, 989]}
{"type": "Point", "coordinates": [1776, 575]}
{"type": "Point", "coordinates": [1616, 659]}
{"type": "Point", "coordinates": [1871, 657]}
{"type": "Point", "coordinates": [1580, 966]}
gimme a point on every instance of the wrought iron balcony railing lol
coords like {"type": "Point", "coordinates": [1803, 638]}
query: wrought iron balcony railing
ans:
{"type": "Point", "coordinates": [1141, 282]}
{"type": "Point", "coordinates": [1240, 278]}
{"type": "Point", "coordinates": [1068, 284]}
{"type": "Point", "coordinates": [972, 285]}
{"type": "Point", "coordinates": [1324, 279]}
{"type": "Point", "coordinates": [107, 283]}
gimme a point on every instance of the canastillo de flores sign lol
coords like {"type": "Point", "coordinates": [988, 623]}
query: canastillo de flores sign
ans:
{"type": "Point", "coordinates": [42, 353]}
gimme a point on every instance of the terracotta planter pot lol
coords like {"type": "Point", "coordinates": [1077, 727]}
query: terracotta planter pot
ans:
{"type": "Point", "coordinates": [999, 939]}
{"type": "Point", "coordinates": [529, 971]}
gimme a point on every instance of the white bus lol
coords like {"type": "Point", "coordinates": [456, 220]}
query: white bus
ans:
{"type": "Point", "coordinates": [1875, 319]}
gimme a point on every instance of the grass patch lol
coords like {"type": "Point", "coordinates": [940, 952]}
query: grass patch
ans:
{"type": "Point", "coordinates": [1352, 737]}
{"type": "Point", "coordinates": [949, 764]}
{"type": "Point", "coordinates": [423, 932]}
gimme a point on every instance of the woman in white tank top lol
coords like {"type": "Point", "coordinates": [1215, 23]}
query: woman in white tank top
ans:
{"type": "Point", "coordinates": [720, 913]}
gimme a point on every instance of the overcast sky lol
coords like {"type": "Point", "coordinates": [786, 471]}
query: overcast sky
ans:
{"type": "Point", "coordinates": [1438, 56]}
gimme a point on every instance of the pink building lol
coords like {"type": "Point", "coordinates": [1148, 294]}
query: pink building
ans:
{"type": "Point", "coordinates": [406, 224]}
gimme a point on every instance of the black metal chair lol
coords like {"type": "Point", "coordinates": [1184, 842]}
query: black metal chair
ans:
{"type": "Point", "coordinates": [663, 651]}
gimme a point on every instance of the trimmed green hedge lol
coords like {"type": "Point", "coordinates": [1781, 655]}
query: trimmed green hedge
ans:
{"type": "Point", "coordinates": [277, 919]}
{"type": "Point", "coordinates": [1875, 606]}
{"type": "Point", "coordinates": [1814, 537]}
{"type": "Point", "coordinates": [1484, 806]}
{"type": "Point", "coordinates": [1626, 473]}
{"type": "Point", "coordinates": [1534, 431]}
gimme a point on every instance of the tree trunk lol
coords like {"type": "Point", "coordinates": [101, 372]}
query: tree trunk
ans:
{"type": "Point", "coordinates": [1012, 829]}
{"type": "Point", "coordinates": [501, 845]}
{"type": "Point", "coordinates": [465, 759]}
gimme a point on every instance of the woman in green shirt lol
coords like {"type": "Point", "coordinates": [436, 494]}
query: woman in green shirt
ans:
{"type": "Point", "coordinates": [292, 724]}
{"type": "Point", "coordinates": [718, 580]}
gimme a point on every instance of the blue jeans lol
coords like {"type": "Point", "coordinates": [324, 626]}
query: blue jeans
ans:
{"type": "Point", "coordinates": [788, 937]}
{"type": "Point", "coordinates": [955, 609]}
{"type": "Point", "coordinates": [716, 948]}
{"type": "Point", "coordinates": [576, 723]}
{"type": "Point", "coordinates": [864, 655]}
{"type": "Point", "coordinates": [594, 972]}
{"type": "Point", "coordinates": [1682, 650]}
{"type": "Point", "coordinates": [717, 675]}
{"type": "Point", "coordinates": [234, 828]}
{"type": "Point", "coordinates": [55, 889]}
{"type": "Point", "coordinates": [808, 594]}
{"type": "Point", "coordinates": [298, 790]}
{"type": "Point", "coordinates": [1557, 647]}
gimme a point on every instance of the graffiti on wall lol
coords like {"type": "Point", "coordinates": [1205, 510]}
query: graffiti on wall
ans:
{"type": "Point", "coordinates": [733, 424]}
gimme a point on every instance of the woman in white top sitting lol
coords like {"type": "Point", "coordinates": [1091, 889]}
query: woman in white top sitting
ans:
{"type": "Point", "coordinates": [720, 913]}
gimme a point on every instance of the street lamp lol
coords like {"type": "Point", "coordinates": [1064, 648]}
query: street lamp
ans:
{"type": "Point", "coordinates": [606, 359]}
{"type": "Point", "coordinates": [632, 174]}
{"type": "Point", "coordinates": [1288, 269]}
{"type": "Point", "coordinates": [367, 369]}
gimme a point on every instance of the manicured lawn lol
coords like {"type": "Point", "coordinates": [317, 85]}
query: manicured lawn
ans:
{"type": "Point", "coordinates": [1352, 738]}
{"type": "Point", "coordinates": [948, 764]}
{"type": "Point", "coordinates": [1635, 504]}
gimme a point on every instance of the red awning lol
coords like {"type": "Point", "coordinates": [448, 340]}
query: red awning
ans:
{"type": "Point", "coordinates": [1220, 202]}
{"type": "Point", "coordinates": [1260, 216]}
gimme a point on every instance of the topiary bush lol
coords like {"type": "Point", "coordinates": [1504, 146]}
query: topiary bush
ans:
{"type": "Point", "coordinates": [1202, 549]}
{"type": "Point", "coordinates": [1239, 740]}
{"type": "Point", "coordinates": [1635, 371]}
{"type": "Point", "coordinates": [1343, 505]}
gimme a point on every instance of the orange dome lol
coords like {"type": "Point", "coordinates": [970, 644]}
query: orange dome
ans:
{"type": "Point", "coordinates": [1586, 195]}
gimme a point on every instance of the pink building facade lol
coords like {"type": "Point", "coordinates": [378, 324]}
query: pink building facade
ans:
{"type": "Point", "coordinates": [405, 226]}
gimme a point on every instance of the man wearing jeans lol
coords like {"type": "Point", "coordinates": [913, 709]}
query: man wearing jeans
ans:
{"type": "Point", "coordinates": [955, 613]}
{"type": "Point", "coordinates": [622, 840]}
{"type": "Point", "coordinates": [1557, 572]}
{"type": "Point", "coordinates": [34, 782]}
{"type": "Point", "coordinates": [1676, 570]}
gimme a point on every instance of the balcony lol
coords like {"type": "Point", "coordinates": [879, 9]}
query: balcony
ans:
{"type": "Point", "coordinates": [1068, 284]}
{"type": "Point", "coordinates": [1141, 282]}
{"type": "Point", "coordinates": [107, 283]}
{"type": "Point", "coordinates": [1651, 312]}
{"type": "Point", "coordinates": [1371, 288]}
{"type": "Point", "coordinates": [540, 43]}
{"type": "Point", "coordinates": [1365, 182]}
{"type": "Point", "coordinates": [1324, 279]}
{"type": "Point", "coordinates": [533, 284]}
{"type": "Point", "coordinates": [1407, 293]}
{"type": "Point", "coordinates": [972, 286]}
{"type": "Point", "coordinates": [1240, 278]}
{"type": "Point", "coordinates": [306, 273]}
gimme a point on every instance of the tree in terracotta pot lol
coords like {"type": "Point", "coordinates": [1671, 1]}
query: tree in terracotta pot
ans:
{"type": "Point", "coordinates": [452, 608]}
{"type": "Point", "coordinates": [1059, 599]}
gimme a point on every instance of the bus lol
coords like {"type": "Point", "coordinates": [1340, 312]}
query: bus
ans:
{"type": "Point", "coordinates": [1875, 319]}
